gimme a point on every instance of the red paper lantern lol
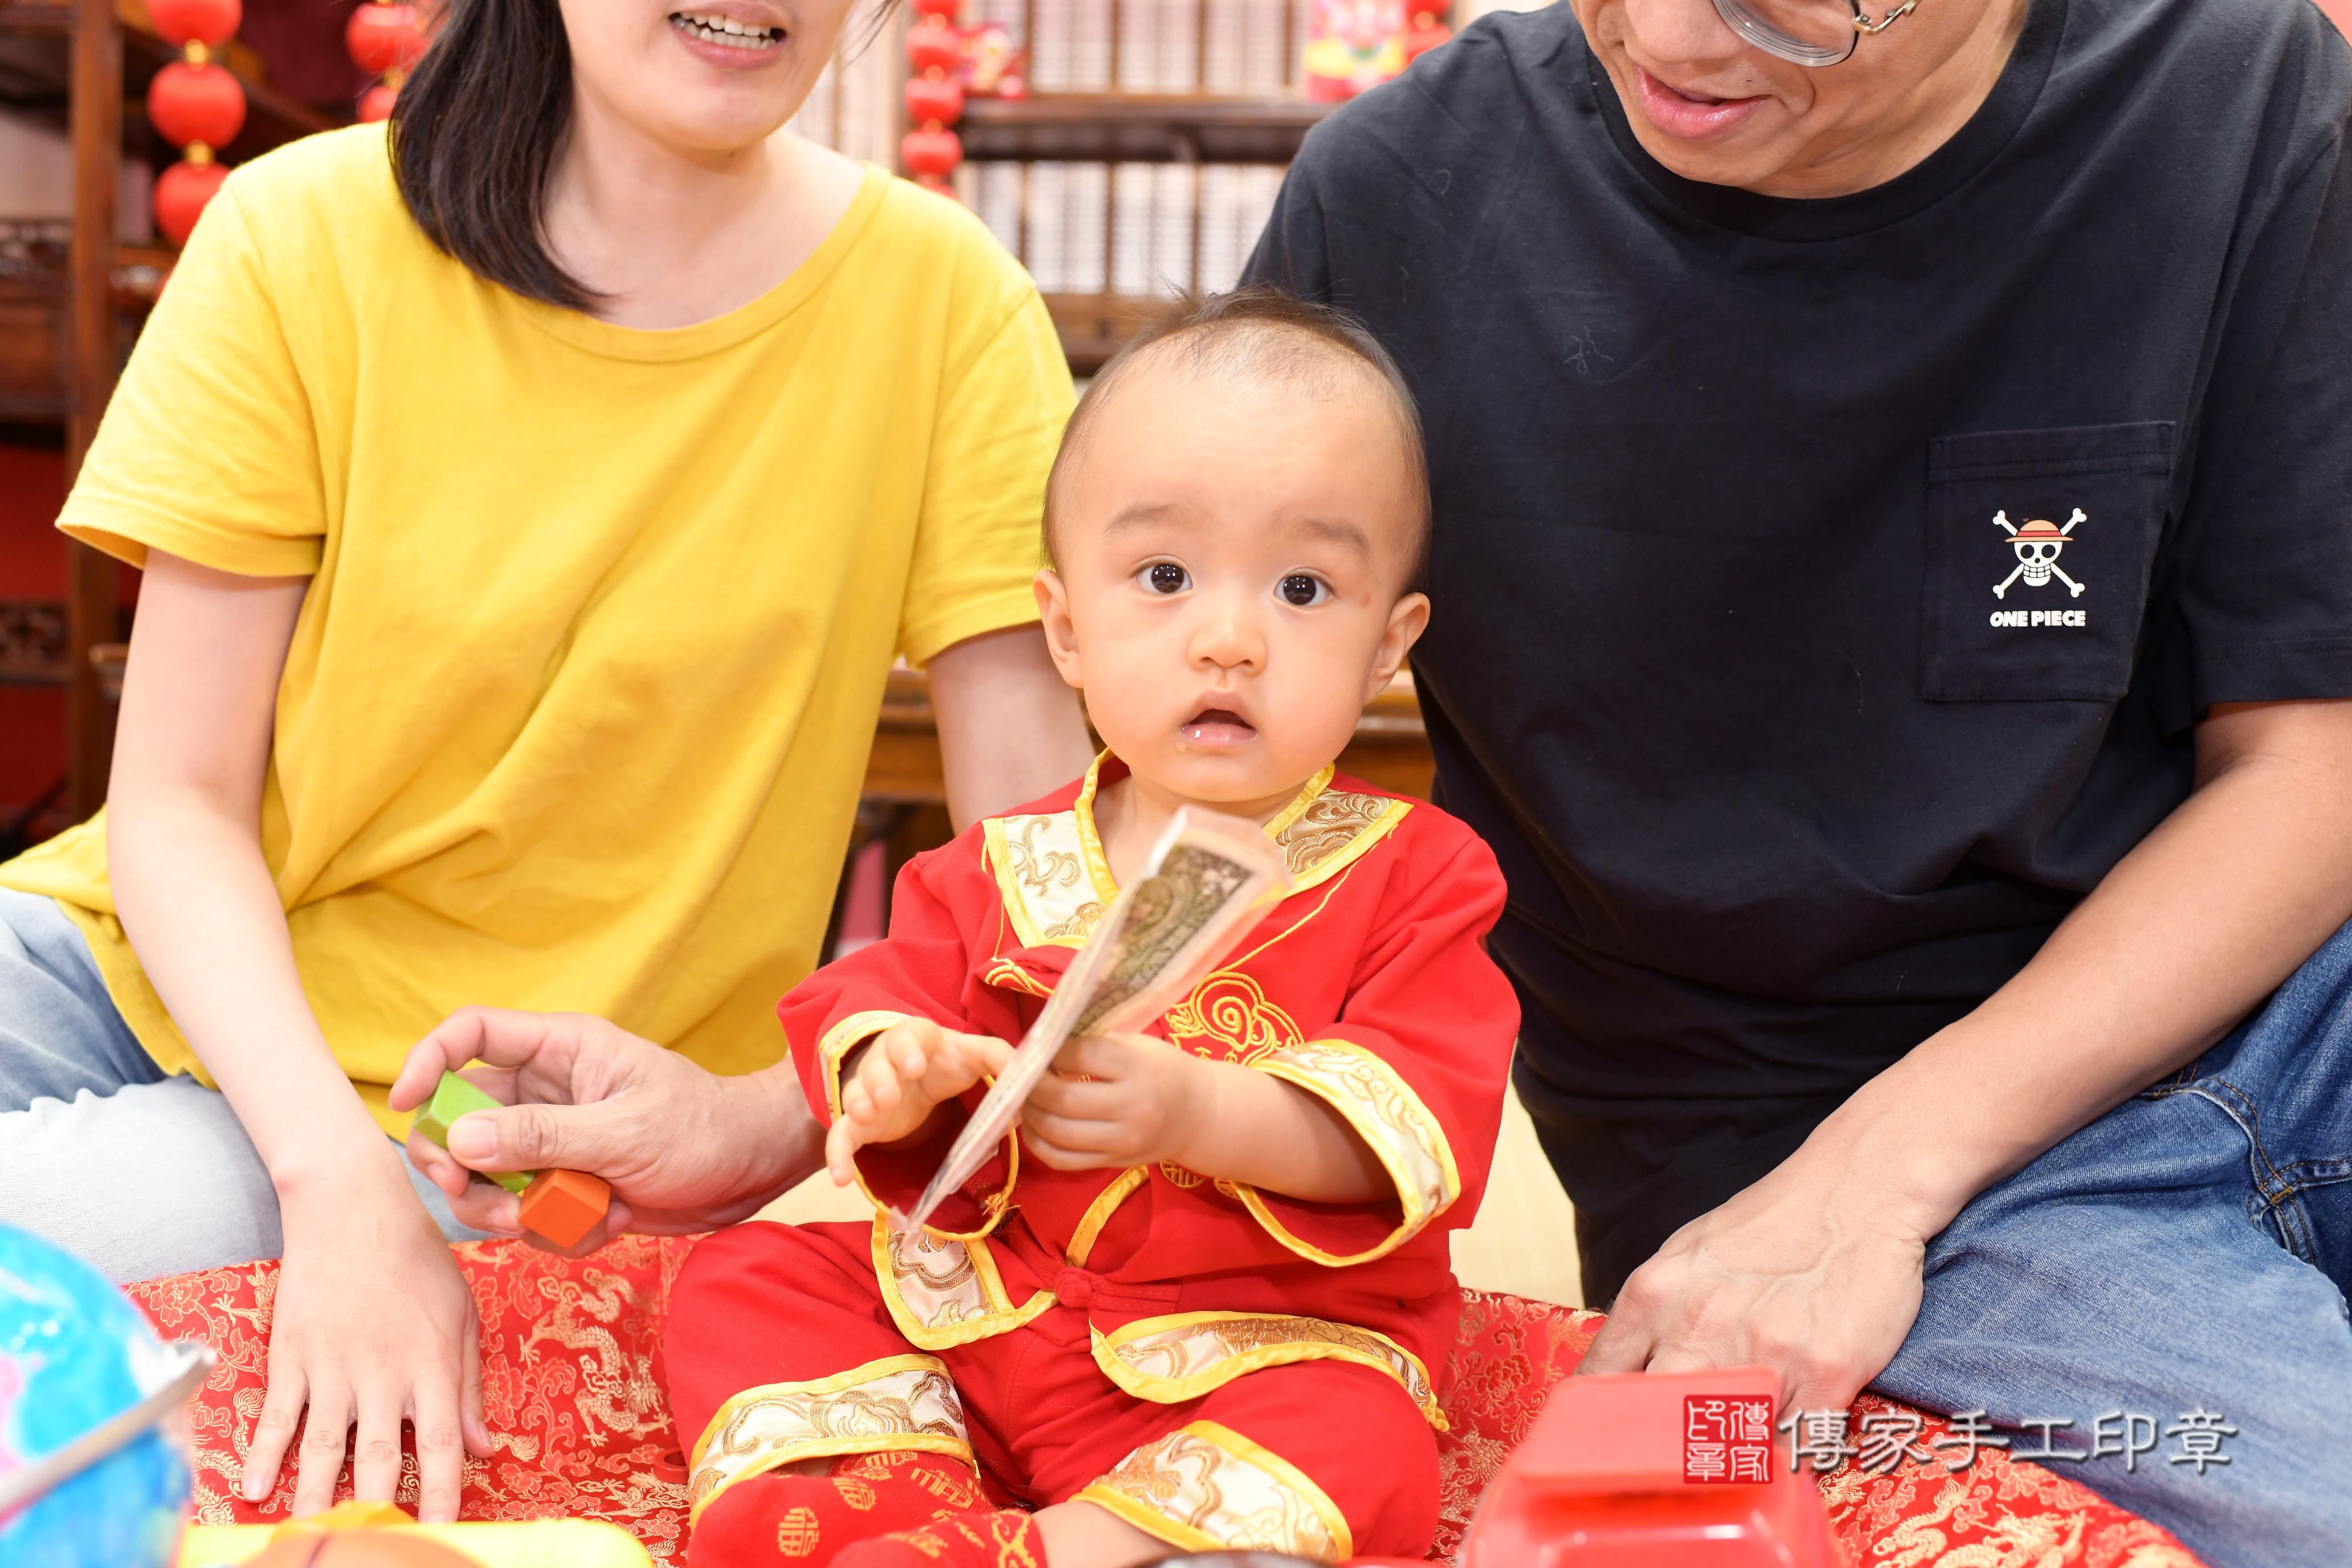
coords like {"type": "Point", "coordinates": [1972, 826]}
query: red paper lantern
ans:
{"type": "Point", "coordinates": [934, 100]}
{"type": "Point", "coordinates": [196, 103]}
{"type": "Point", "coordinates": [933, 46]}
{"type": "Point", "coordinates": [382, 35]}
{"type": "Point", "coordinates": [211, 23]}
{"type": "Point", "coordinates": [1425, 34]}
{"type": "Point", "coordinates": [376, 103]}
{"type": "Point", "coordinates": [934, 152]}
{"type": "Point", "coordinates": [180, 193]}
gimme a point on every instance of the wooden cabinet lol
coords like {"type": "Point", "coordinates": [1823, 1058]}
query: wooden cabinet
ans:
{"type": "Point", "coordinates": [71, 303]}
{"type": "Point", "coordinates": [36, 348]}
{"type": "Point", "coordinates": [1390, 749]}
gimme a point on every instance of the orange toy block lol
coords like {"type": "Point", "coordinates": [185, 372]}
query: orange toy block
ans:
{"type": "Point", "coordinates": [564, 1206]}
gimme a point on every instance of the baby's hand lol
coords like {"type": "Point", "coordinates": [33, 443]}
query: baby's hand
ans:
{"type": "Point", "coordinates": [891, 1085]}
{"type": "Point", "coordinates": [1119, 1100]}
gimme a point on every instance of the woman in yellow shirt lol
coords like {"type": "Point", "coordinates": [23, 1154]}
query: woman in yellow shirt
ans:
{"type": "Point", "coordinates": [529, 518]}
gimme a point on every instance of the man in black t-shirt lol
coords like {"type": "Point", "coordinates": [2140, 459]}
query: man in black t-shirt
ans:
{"type": "Point", "coordinates": [1892, 582]}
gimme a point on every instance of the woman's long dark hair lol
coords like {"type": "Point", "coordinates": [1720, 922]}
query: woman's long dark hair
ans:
{"type": "Point", "coordinates": [474, 133]}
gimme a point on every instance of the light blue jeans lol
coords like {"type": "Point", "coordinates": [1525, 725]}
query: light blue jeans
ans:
{"type": "Point", "coordinates": [2177, 1266]}
{"type": "Point", "coordinates": [137, 1171]}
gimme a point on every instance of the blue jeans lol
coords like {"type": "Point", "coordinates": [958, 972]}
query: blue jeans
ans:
{"type": "Point", "coordinates": [2176, 1266]}
{"type": "Point", "coordinates": [141, 1172]}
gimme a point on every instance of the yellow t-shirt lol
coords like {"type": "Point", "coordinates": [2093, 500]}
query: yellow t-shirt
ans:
{"type": "Point", "coordinates": [577, 708]}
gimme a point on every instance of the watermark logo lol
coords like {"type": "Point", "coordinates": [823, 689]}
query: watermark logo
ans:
{"type": "Point", "coordinates": [1825, 1440]}
{"type": "Point", "coordinates": [1727, 1439]}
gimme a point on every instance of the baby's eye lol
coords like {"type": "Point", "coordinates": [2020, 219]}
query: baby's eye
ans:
{"type": "Point", "coordinates": [1166, 577]}
{"type": "Point", "coordinates": [1303, 591]}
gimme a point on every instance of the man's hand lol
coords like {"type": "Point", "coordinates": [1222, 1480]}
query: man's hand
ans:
{"type": "Point", "coordinates": [1813, 1272]}
{"type": "Point", "coordinates": [1816, 1269]}
{"type": "Point", "coordinates": [1120, 1101]}
{"type": "Point", "coordinates": [684, 1149]}
{"type": "Point", "coordinates": [891, 1085]}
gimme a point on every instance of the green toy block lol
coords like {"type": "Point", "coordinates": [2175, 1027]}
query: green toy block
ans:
{"type": "Point", "coordinates": [453, 1096]}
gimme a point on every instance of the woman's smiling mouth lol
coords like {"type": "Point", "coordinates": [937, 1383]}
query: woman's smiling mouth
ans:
{"type": "Point", "coordinates": [725, 31]}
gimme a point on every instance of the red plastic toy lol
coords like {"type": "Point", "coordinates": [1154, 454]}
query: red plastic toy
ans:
{"type": "Point", "coordinates": [1654, 1470]}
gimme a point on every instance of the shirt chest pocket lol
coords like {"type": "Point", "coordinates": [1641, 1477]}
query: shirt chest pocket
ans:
{"type": "Point", "coordinates": [2040, 546]}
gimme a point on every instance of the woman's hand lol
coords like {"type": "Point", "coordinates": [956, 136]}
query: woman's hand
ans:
{"type": "Point", "coordinates": [684, 1149]}
{"type": "Point", "coordinates": [1815, 1271]}
{"type": "Point", "coordinates": [374, 1324]}
{"type": "Point", "coordinates": [1119, 1100]}
{"type": "Point", "coordinates": [891, 1085]}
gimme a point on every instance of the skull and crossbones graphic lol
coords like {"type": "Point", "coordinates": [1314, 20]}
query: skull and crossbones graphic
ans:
{"type": "Point", "coordinates": [2037, 545]}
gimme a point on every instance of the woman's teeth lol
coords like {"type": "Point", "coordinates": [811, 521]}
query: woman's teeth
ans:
{"type": "Point", "coordinates": [725, 31]}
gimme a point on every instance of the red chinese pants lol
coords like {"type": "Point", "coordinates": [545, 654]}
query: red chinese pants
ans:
{"type": "Point", "coordinates": [780, 1347]}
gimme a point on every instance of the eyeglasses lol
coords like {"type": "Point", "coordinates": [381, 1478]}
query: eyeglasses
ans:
{"type": "Point", "coordinates": [1807, 32]}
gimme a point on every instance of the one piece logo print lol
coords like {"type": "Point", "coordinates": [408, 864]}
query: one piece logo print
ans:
{"type": "Point", "coordinates": [2037, 545]}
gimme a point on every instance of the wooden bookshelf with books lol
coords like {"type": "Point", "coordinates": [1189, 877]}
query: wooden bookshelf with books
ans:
{"type": "Point", "coordinates": [1127, 150]}
{"type": "Point", "coordinates": [1146, 156]}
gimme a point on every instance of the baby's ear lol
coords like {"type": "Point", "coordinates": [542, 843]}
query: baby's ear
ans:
{"type": "Point", "coordinates": [1408, 618]}
{"type": "Point", "coordinates": [1061, 631]}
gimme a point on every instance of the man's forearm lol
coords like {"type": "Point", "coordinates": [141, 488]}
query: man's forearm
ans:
{"type": "Point", "coordinates": [2186, 934]}
{"type": "Point", "coordinates": [787, 1130]}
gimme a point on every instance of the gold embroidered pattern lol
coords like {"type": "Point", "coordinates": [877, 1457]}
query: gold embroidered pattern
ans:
{"type": "Point", "coordinates": [1057, 883]}
{"type": "Point", "coordinates": [1206, 1488]}
{"type": "Point", "coordinates": [1011, 976]}
{"type": "Point", "coordinates": [1080, 925]}
{"type": "Point", "coordinates": [1040, 867]}
{"type": "Point", "coordinates": [1229, 1010]}
{"type": "Point", "coordinates": [902, 1403]}
{"type": "Point", "coordinates": [798, 1532]}
{"type": "Point", "coordinates": [1044, 876]}
{"type": "Point", "coordinates": [1169, 1360]}
{"type": "Point", "coordinates": [945, 1290]}
{"type": "Point", "coordinates": [1386, 1113]}
{"type": "Point", "coordinates": [1332, 822]}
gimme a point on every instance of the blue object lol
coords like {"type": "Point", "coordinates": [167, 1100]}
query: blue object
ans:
{"type": "Point", "coordinates": [74, 1351]}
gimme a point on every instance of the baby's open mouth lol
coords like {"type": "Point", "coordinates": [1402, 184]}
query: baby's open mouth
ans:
{"type": "Point", "coordinates": [1217, 726]}
{"type": "Point", "coordinates": [725, 31]}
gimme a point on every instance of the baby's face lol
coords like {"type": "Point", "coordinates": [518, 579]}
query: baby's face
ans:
{"type": "Point", "coordinates": [1232, 555]}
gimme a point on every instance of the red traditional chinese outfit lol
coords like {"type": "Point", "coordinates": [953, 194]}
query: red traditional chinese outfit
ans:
{"type": "Point", "coordinates": [1221, 1367]}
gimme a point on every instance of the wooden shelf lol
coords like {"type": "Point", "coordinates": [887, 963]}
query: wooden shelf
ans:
{"type": "Point", "coordinates": [1142, 128]}
{"type": "Point", "coordinates": [34, 80]}
{"type": "Point", "coordinates": [35, 331]}
{"type": "Point", "coordinates": [34, 18]}
{"type": "Point", "coordinates": [33, 643]}
{"type": "Point", "coordinates": [1092, 326]}
{"type": "Point", "coordinates": [1391, 748]}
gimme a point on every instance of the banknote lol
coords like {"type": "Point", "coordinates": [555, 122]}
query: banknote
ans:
{"type": "Point", "coordinates": [1208, 879]}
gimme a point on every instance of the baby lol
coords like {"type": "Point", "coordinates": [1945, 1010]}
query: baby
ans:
{"type": "Point", "coordinates": [1195, 1303]}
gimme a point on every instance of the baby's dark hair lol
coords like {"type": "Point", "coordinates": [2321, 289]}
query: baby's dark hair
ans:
{"type": "Point", "coordinates": [1264, 331]}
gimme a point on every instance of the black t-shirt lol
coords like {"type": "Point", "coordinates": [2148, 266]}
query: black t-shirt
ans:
{"type": "Point", "coordinates": [1825, 590]}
